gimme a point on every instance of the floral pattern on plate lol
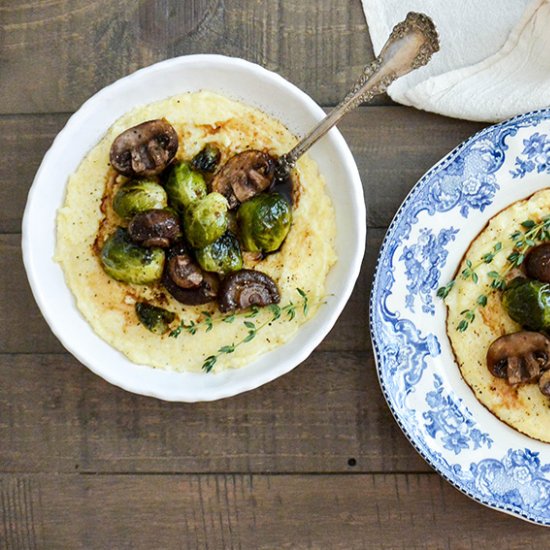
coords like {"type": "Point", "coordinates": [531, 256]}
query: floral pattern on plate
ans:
{"type": "Point", "coordinates": [535, 156]}
{"type": "Point", "coordinates": [444, 212]}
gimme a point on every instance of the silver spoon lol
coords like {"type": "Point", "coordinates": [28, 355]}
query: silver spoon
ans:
{"type": "Point", "coordinates": [410, 45]}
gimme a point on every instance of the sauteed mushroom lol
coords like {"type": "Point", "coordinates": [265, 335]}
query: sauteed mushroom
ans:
{"type": "Point", "coordinates": [155, 227]}
{"type": "Point", "coordinates": [204, 293]}
{"type": "Point", "coordinates": [519, 357]}
{"type": "Point", "coordinates": [544, 383]}
{"type": "Point", "coordinates": [145, 149]}
{"type": "Point", "coordinates": [537, 263]}
{"type": "Point", "coordinates": [244, 176]}
{"type": "Point", "coordinates": [246, 288]}
{"type": "Point", "coordinates": [184, 272]}
{"type": "Point", "coordinates": [185, 281]}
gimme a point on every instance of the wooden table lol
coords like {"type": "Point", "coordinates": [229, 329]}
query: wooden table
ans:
{"type": "Point", "coordinates": [312, 460]}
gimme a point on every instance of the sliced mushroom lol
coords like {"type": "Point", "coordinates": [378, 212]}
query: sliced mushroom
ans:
{"type": "Point", "coordinates": [184, 271]}
{"type": "Point", "coordinates": [537, 263]}
{"type": "Point", "coordinates": [544, 383]}
{"type": "Point", "coordinates": [145, 149]}
{"type": "Point", "coordinates": [246, 288]}
{"type": "Point", "coordinates": [155, 227]}
{"type": "Point", "coordinates": [519, 357]}
{"type": "Point", "coordinates": [204, 293]}
{"type": "Point", "coordinates": [243, 176]}
{"type": "Point", "coordinates": [181, 278]}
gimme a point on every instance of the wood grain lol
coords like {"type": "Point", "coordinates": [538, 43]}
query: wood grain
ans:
{"type": "Point", "coordinates": [23, 141]}
{"type": "Point", "coordinates": [393, 147]}
{"type": "Point", "coordinates": [55, 415]}
{"type": "Point", "coordinates": [259, 511]}
{"type": "Point", "coordinates": [54, 55]}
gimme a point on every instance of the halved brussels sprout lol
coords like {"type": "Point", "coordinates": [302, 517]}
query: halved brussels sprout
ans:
{"type": "Point", "coordinates": [128, 262]}
{"type": "Point", "coordinates": [184, 186]}
{"type": "Point", "coordinates": [206, 220]}
{"type": "Point", "coordinates": [222, 256]}
{"type": "Point", "coordinates": [207, 159]}
{"type": "Point", "coordinates": [528, 303]}
{"type": "Point", "coordinates": [138, 196]}
{"type": "Point", "coordinates": [264, 222]}
{"type": "Point", "coordinates": [154, 318]}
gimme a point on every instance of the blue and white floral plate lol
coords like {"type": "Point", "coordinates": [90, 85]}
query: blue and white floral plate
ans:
{"type": "Point", "coordinates": [452, 431]}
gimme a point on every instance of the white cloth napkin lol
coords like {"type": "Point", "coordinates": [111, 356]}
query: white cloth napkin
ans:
{"type": "Point", "coordinates": [494, 60]}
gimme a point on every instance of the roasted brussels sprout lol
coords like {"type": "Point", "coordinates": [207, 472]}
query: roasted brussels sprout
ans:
{"type": "Point", "coordinates": [128, 262]}
{"type": "Point", "coordinates": [207, 159]}
{"type": "Point", "coordinates": [206, 220]}
{"type": "Point", "coordinates": [222, 256]}
{"type": "Point", "coordinates": [184, 186]}
{"type": "Point", "coordinates": [528, 303]}
{"type": "Point", "coordinates": [138, 196]}
{"type": "Point", "coordinates": [154, 318]}
{"type": "Point", "coordinates": [264, 222]}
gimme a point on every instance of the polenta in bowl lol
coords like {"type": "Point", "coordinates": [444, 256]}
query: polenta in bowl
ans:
{"type": "Point", "coordinates": [181, 247]}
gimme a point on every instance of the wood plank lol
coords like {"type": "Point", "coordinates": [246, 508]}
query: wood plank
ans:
{"type": "Point", "coordinates": [23, 329]}
{"type": "Point", "coordinates": [320, 46]}
{"type": "Point", "coordinates": [235, 511]}
{"type": "Point", "coordinates": [393, 147]}
{"type": "Point", "coordinates": [56, 416]}
{"type": "Point", "coordinates": [23, 141]}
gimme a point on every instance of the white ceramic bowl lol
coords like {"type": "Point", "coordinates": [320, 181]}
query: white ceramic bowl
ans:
{"type": "Point", "coordinates": [236, 79]}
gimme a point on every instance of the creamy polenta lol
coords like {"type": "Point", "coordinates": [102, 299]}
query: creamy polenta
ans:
{"type": "Point", "coordinates": [522, 407]}
{"type": "Point", "coordinates": [109, 306]}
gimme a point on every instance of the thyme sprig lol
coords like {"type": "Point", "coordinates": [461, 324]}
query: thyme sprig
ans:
{"type": "Point", "coordinates": [528, 236]}
{"type": "Point", "coordinates": [286, 312]}
{"type": "Point", "coordinates": [193, 326]}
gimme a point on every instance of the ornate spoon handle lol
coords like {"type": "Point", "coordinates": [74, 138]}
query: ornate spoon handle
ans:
{"type": "Point", "coordinates": [410, 45]}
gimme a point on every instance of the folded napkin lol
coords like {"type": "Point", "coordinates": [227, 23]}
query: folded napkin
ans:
{"type": "Point", "coordinates": [494, 60]}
